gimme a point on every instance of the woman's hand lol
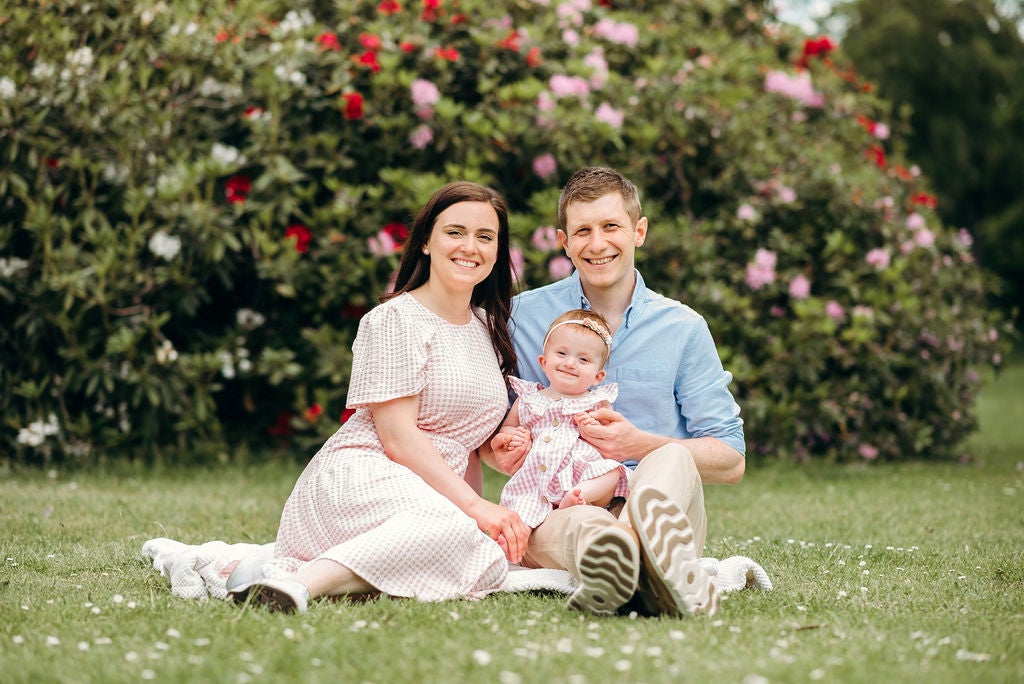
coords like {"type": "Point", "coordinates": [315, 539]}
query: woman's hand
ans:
{"type": "Point", "coordinates": [503, 526]}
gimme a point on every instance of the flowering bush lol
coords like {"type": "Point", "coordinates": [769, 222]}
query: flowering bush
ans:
{"type": "Point", "coordinates": [199, 201]}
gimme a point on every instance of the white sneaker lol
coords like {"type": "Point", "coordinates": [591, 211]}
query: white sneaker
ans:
{"type": "Point", "coordinates": [609, 568]}
{"type": "Point", "coordinates": [673, 581]}
{"type": "Point", "coordinates": [278, 595]}
{"type": "Point", "coordinates": [250, 568]}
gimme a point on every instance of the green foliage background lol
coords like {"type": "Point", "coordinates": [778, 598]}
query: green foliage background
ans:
{"type": "Point", "coordinates": [164, 163]}
{"type": "Point", "coordinates": [955, 68]}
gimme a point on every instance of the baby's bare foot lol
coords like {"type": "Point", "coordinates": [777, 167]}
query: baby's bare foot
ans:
{"type": "Point", "coordinates": [573, 498]}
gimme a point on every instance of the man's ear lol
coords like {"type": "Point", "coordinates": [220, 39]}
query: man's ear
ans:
{"type": "Point", "coordinates": [563, 238]}
{"type": "Point", "coordinates": [641, 231]}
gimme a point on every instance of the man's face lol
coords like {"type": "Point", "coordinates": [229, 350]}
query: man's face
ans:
{"type": "Point", "coordinates": [601, 240]}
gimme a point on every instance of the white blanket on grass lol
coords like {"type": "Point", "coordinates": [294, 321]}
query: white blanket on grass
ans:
{"type": "Point", "coordinates": [198, 571]}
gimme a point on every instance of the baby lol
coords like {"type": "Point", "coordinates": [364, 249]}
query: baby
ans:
{"type": "Point", "coordinates": [560, 468]}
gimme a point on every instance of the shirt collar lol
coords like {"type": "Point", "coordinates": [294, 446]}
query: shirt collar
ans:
{"type": "Point", "coordinates": [636, 303]}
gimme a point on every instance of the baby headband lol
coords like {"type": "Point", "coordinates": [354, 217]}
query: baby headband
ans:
{"type": "Point", "coordinates": [585, 322]}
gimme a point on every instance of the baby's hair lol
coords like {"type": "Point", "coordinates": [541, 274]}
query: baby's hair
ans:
{"type": "Point", "coordinates": [590, 320]}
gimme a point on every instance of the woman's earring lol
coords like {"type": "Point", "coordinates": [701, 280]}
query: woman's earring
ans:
{"type": "Point", "coordinates": [426, 251]}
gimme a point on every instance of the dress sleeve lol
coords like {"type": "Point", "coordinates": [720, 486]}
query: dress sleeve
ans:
{"type": "Point", "coordinates": [389, 357]}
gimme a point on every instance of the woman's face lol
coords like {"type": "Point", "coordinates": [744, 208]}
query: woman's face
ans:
{"type": "Point", "coordinates": [463, 245]}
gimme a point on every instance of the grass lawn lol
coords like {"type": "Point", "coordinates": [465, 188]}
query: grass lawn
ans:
{"type": "Point", "coordinates": [902, 573]}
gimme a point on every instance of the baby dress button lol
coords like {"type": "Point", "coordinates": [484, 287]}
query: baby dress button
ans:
{"type": "Point", "coordinates": [555, 422]}
{"type": "Point", "coordinates": [543, 467]}
{"type": "Point", "coordinates": [547, 438]}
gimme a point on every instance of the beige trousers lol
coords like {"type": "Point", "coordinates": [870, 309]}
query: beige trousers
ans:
{"type": "Point", "coordinates": [557, 542]}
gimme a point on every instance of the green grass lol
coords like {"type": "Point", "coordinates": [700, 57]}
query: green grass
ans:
{"type": "Point", "coordinates": [909, 572]}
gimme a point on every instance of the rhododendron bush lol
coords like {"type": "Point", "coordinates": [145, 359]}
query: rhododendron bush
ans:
{"type": "Point", "coordinates": [200, 199]}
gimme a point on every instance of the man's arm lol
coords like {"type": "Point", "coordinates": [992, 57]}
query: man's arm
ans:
{"type": "Point", "coordinates": [618, 439]}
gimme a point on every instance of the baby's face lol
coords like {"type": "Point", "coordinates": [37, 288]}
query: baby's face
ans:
{"type": "Point", "coordinates": [573, 359]}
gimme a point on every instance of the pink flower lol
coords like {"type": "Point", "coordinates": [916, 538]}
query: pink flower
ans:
{"type": "Point", "coordinates": [746, 213]}
{"type": "Point", "coordinates": [762, 271]}
{"type": "Point", "coordinates": [545, 102]}
{"type": "Point", "coordinates": [878, 257]}
{"type": "Point", "coordinates": [380, 245]}
{"type": "Point", "coordinates": [619, 32]}
{"type": "Point", "coordinates": [567, 86]}
{"type": "Point", "coordinates": [861, 311]}
{"type": "Point", "coordinates": [915, 221]}
{"type": "Point", "coordinates": [796, 87]}
{"type": "Point", "coordinates": [965, 238]}
{"type": "Point", "coordinates": [881, 131]}
{"type": "Point", "coordinates": [924, 238]}
{"type": "Point", "coordinates": [787, 194]}
{"type": "Point", "coordinates": [559, 267]}
{"type": "Point", "coordinates": [545, 165]}
{"type": "Point", "coordinates": [516, 262]}
{"type": "Point", "coordinates": [799, 287]}
{"type": "Point", "coordinates": [835, 310]}
{"type": "Point", "coordinates": [424, 93]}
{"type": "Point", "coordinates": [609, 115]}
{"type": "Point", "coordinates": [421, 136]}
{"type": "Point", "coordinates": [571, 37]}
{"type": "Point", "coordinates": [545, 238]}
{"type": "Point", "coordinates": [867, 452]}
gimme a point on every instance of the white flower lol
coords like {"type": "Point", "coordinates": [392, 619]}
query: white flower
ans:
{"type": "Point", "coordinates": [226, 155]}
{"type": "Point", "coordinates": [52, 641]}
{"type": "Point", "coordinates": [166, 353]}
{"type": "Point", "coordinates": [481, 657]}
{"type": "Point", "coordinates": [80, 60]}
{"type": "Point", "coordinates": [249, 319]}
{"type": "Point", "coordinates": [165, 246]}
{"type": "Point", "coordinates": [9, 267]}
{"type": "Point", "coordinates": [43, 71]}
{"type": "Point", "coordinates": [36, 433]}
{"type": "Point", "coordinates": [7, 88]}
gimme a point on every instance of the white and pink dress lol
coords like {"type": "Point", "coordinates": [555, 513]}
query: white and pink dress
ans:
{"type": "Point", "coordinates": [354, 505]}
{"type": "Point", "coordinates": [559, 459]}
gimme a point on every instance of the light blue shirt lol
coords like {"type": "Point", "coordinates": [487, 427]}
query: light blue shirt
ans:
{"type": "Point", "coordinates": [670, 377]}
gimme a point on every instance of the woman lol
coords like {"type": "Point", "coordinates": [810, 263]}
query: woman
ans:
{"type": "Point", "coordinates": [384, 505]}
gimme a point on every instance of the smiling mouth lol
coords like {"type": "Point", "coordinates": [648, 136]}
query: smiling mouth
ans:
{"type": "Point", "coordinates": [464, 263]}
{"type": "Point", "coordinates": [600, 262]}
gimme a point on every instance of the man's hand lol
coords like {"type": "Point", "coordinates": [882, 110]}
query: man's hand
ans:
{"type": "Point", "coordinates": [614, 436]}
{"type": "Point", "coordinates": [510, 449]}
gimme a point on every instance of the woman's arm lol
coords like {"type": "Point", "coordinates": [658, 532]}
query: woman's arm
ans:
{"type": "Point", "coordinates": [405, 443]}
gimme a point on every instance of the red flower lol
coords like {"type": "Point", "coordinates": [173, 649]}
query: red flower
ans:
{"type": "Point", "coordinates": [450, 54]}
{"type": "Point", "coordinates": [902, 173]}
{"type": "Point", "coordinates": [52, 163]}
{"type": "Point", "coordinates": [370, 41]}
{"type": "Point", "coordinates": [346, 414]}
{"type": "Point", "coordinates": [369, 59]}
{"type": "Point", "coordinates": [353, 106]}
{"type": "Point", "coordinates": [329, 41]}
{"type": "Point", "coordinates": [460, 19]}
{"type": "Point", "coordinates": [221, 36]}
{"type": "Point", "coordinates": [816, 47]}
{"type": "Point", "coordinates": [430, 10]}
{"type": "Point", "coordinates": [282, 427]}
{"type": "Point", "coordinates": [511, 41]}
{"type": "Point", "coordinates": [313, 413]}
{"type": "Point", "coordinates": [302, 237]}
{"type": "Point", "coordinates": [398, 232]}
{"type": "Point", "coordinates": [924, 199]}
{"type": "Point", "coordinates": [407, 47]}
{"type": "Point", "coordinates": [389, 7]}
{"type": "Point", "coordinates": [237, 188]}
{"type": "Point", "coordinates": [533, 58]}
{"type": "Point", "coordinates": [876, 154]}
{"type": "Point", "coordinates": [867, 124]}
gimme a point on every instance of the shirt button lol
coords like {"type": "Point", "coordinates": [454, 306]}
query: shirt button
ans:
{"type": "Point", "coordinates": [558, 399]}
{"type": "Point", "coordinates": [544, 499]}
{"type": "Point", "coordinates": [555, 422]}
{"type": "Point", "coordinates": [547, 438]}
{"type": "Point", "coordinates": [543, 468]}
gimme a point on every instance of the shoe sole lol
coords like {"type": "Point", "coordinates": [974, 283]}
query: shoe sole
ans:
{"type": "Point", "coordinates": [265, 594]}
{"type": "Point", "coordinates": [674, 578]}
{"type": "Point", "coordinates": [609, 570]}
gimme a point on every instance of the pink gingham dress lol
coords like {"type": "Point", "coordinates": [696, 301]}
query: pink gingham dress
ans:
{"type": "Point", "coordinates": [559, 458]}
{"type": "Point", "coordinates": [354, 505]}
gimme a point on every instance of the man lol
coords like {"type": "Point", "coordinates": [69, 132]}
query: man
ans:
{"type": "Point", "coordinates": [675, 416]}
